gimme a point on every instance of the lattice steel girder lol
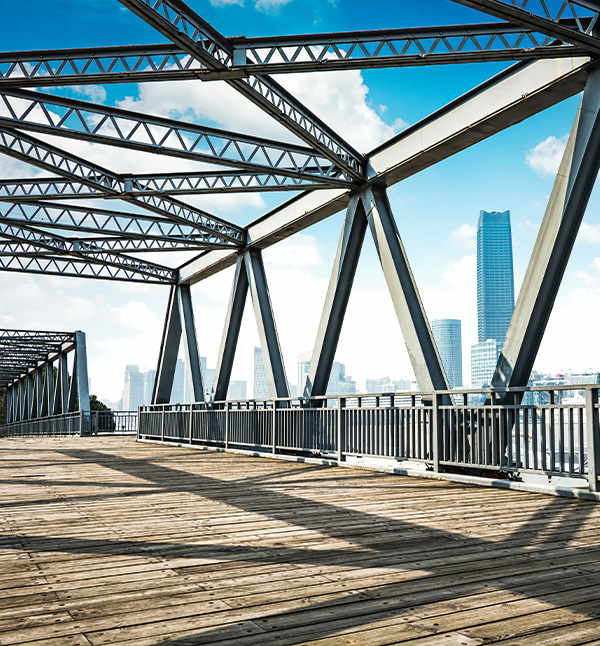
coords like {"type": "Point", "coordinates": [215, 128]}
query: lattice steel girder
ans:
{"type": "Point", "coordinates": [162, 184]}
{"type": "Point", "coordinates": [127, 64]}
{"type": "Point", "coordinates": [508, 98]}
{"type": "Point", "coordinates": [104, 265]}
{"type": "Point", "coordinates": [282, 54]}
{"type": "Point", "coordinates": [48, 157]}
{"type": "Point", "coordinates": [395, 48]}
{"type": "Point", "coordinates": [35, 336]}
{"type": "Point", "coordinates": [25, 109]}
{"type": "Point", "coordinates": [175, 20]}
{"type": "Point", "coordinates": [103, 221]}
{"type": "Point", "coordinates": [26, 240]}
{"type": "Point", "coordinates": [545, 16]}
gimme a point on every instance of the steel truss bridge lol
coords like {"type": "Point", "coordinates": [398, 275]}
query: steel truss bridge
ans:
{"type": "Point", "coordinates": [47, 227]}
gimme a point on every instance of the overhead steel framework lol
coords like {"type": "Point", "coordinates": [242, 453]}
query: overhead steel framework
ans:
{"type": "Point", "coordinates": [34, 370]}
{"type": "Point", "coordinates": [45, 227]}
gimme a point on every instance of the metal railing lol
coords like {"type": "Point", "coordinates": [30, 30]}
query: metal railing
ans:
{"type": "Point", "coordinates": [551, 431]}
{"type": "Point", "coordinates": [79, 423]}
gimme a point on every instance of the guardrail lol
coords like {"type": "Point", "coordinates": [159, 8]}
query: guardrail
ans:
{"type": "Point", "coordinates": [79, 423]}
{"type": "Point", "coordinates": [554, 431]}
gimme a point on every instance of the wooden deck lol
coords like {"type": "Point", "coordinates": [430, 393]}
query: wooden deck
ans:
{"type": "Point", "coordinates": [106, 541]}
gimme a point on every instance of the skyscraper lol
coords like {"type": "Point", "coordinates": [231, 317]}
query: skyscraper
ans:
{"type": "Point", "coordinates": [261, 385]}
{"type": "Point", "coordinates": [495, 283]}
{"type": "Point", "coordinates": [448, 338]}
{"type": "Point", "coordinates": [178, 392]}
{"type": "Point", "coordinates": [495, 293]}
{"type": "Point", "coordinates": [133, 388]}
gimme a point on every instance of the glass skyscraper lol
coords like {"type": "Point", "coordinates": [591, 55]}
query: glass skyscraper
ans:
{"type": "Point", "coordinates": [448, 338]}
{"type": "Point", "coordinates": [495, 282]}
{"type": "Point", "coordinates": [495, 293]}
{"type": "Point", "coordinates": [261, 385]}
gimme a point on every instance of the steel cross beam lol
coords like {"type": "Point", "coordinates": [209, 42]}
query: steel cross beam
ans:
{"type": "Point", "coordinates": [80, 268]}
{"type": "Point", "coordinates": [521, 12]}
{"type": "Point", "coordinates": [26, 240]}
{"type": "Point", "coordinates": [47, 157]}
{"type": "Point", "coordinates": [49, 245]}
{"type": "Point", "coordinates": [283, 54]}
{"type": "Point", "coordinates": [129, 226]}
{"type": "Point", "coordinates": [163, 184]}
{"type": "Point", "coordinates": [40, 112]}
{"type": "Point", "coordinates": [175, 20]}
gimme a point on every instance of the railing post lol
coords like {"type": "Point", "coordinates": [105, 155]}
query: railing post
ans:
{"type": "Point", "coordinates": [190, 424]}
{"type": "Point", "coordinates": [274, 442]}
{"type": "Point", "coordinates": [341, 430]}
{"type": "Point", "coordinates": [437, 431]}
{"type": "Point", "coordinates": [226, 425]}
{"type": "Point", "coordinates": [162, 425]}
{"type": "Point", "coordinates": [592, 436]}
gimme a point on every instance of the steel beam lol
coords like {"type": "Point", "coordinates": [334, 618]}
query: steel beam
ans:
{"type": "Point", "coordinates": [192, 183]}
{"type": "Point", "coordinates": [414, 324]}
{"type": "Point", "coordinates": [56, 115]}
{"type": "Point", "coordinates": [169, 349]}
{"type": "Point", "coordinates": [566, 208]}
{"type": "Point", "coordinates": [180, 24]}
{"type": "Point", "coordinates": [265, 322]}
{"type": "Point", "coordinates": [190, 343]}
{"type": "Point", "coordinates": [519, 12]}
{"type": "Point", "coordinates": [336, 301]}
{"type": "Point", "coordinates": [282, 54]}
{"type": "Point", "coordinates": [231, 332]}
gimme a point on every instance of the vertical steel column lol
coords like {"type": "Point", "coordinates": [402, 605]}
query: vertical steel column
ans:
{"type": "Point", "coordinates": [190, 343]}
{"type": "Point", "coordinates": [80, 372]}
{"type": "Point", "coordinates": [415, 327]}
{"type": "Point", "coordinates": [61, 390]}
{"type": "Point", "coordinates": [29, 385]}
{"type": "Point", "coordinates": [39, 390]}
{"type": "Point", "coordinates": [265, 321]}
{"type": "Point", "coordinates": [48, 403]}
{"type": "Point", "coordinates": [9, 400]}
{"type": "Point", "coordinates": [22, 397]}
{"type": "Point", "coordinates": [231, 332]}
{"type": "Point", "coordinates": [72, 398]}
{"type": "Point", "coordinates": [169, 348]}
{"type": "Point", "coordinates": [336, 301]}
{"type": "Point", "coordinates": [555, 240]}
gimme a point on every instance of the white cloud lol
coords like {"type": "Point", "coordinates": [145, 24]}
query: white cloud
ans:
{"type": "Point", "coordinates": [589, 233]}
{"type": "Point", "coordinates": [268, 5]}
{"type": "Point", "coordinates": [545, 158]}
{"type": "Point", "coordinates": [465, 236]}
{"type": "Point", "coordinates": [300, 250]}
{"type": "Point", "coordinates": [96, 93]}
{"type": "Point", "coordinates": [528, 227]}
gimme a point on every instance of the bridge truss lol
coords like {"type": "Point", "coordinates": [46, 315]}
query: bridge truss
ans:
{"type": "Point", "coordinates": [46, 225]}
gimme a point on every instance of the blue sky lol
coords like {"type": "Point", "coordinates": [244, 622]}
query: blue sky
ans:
{"type": "Point", "coordinates": [436, 210]}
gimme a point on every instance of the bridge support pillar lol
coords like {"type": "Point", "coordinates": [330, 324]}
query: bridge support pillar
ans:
{"type": "Point", "coordinates": [231, 332]}
{"type": "Point", "coordinates": [336, 301]}
{"type": "Point", "coordinates": [555, 240]}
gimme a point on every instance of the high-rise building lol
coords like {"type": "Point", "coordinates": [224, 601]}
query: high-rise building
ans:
{"type": "Point", "coordinates": [261, 385]}
{"type": "Point", "coordinates": [133, 388]}
{"type": "Point", "coordinates": [339, 383]}
{"type": "Point", "coordinates": [495, 293]}
{"type": "Point", "coordinates": [484, 357]}
{"type": "Point", "coordinates": [178, 392]}
{"type": "Point", "coordinates": [448, 338]}
{"type": "Point", "coordinates": [149, 378]}
{"type": "Point", "coordinates": [237, 390]}
{"type": "Point", "coordinates": [495, 283]}
{"type": "Point", "coordinates": [303, 368]}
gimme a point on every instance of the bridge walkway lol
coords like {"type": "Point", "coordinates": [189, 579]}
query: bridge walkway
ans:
{"type": "Point", "coordinates": [107, 541]}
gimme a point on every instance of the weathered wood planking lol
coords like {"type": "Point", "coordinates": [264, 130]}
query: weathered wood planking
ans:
{"type": "Point", "coordinates": [106, 541]}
